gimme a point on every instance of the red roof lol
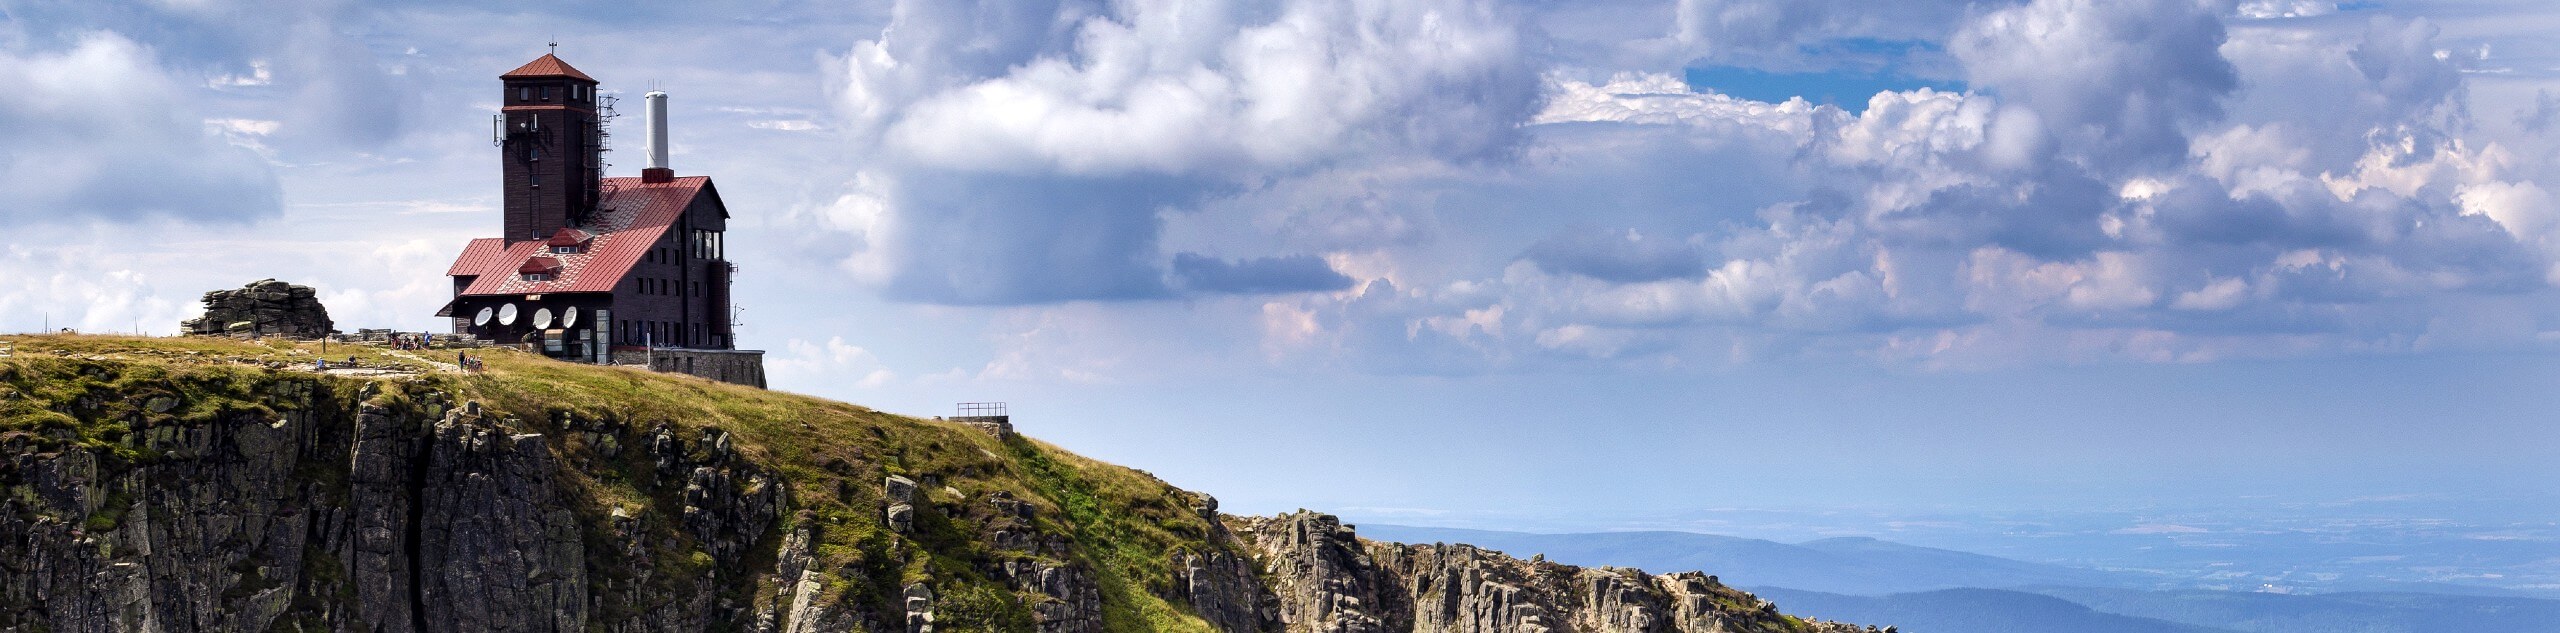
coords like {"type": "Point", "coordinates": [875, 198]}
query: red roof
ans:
{"type": "Point", "coordinates": [540, 265]}
{"type": "Point", "coordinates": [479, 257]}
{"type": "Point", "coordinates": [547, 65]}
{"type": "Point", "coordinates": [634, 215]}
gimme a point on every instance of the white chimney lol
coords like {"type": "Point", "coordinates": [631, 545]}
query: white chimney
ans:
{"type": "Point", "coordinates": [654, 108]}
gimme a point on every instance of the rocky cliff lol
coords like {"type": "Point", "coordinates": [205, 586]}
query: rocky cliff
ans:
{"type": "Point", "coordinates": [208, 485]}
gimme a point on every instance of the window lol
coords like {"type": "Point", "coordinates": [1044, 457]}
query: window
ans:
{"type": "Point", "coordinates": [540, 276]}
{"type": "Point", "coordinates": [524, 93]}
{"type": "Point", "coordinates": [537, 179]}
{"type": "Point", "coordinates": [550, 92]}
{"type": "Point", "coordinates": [568, 250]}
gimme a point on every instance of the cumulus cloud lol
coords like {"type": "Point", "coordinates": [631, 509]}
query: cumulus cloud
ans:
{"type": "Point", "coordinates": [297, 61]}
{"type": "Point", "coordinates": [1261, 275]}
{"type": "Point", "coordinates": [72, 288]}
{"type": "Point", "coordinates": [2117, 82]}
{"type": "Point", "coordinates": [99, 130]}
{"type": "Point", "coordinates": [1627, 256]}
{"type": "Point", "coordinates": [1772, 24]}
{"type": "Point", "coordinates": [1026, 150]}
{"type": "Point", "coordinates": [804, 361]}
{"type": "Point", "coordinates": [1188, 86]}
{"type": "Point", "coordinates": [2115, 187]}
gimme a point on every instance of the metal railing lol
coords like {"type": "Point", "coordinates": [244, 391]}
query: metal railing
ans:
{"type": "Point", "coordinates": [983, 410]}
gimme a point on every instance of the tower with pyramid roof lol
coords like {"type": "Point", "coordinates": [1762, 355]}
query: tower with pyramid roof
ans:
{"type": "Point", "coordinates": [550, 135]}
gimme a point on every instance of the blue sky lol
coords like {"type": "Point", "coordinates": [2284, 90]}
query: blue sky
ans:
{"type": "Point", "coordinates": [1460, 261]}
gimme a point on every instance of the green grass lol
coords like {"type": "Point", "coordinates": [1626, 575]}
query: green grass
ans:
{"type": "Point", "coordinates": [92, 392]}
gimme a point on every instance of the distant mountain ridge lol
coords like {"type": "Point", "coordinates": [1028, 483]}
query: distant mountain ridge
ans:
{"type": "Point", "coordinates": [2086, 610]}
{"type": "Point", "coordinates": [2360, 612]}
{"type": "Point", "coordinates": [1858, 566]}
{"type": "Point", "coordinates": [1928, 590]}
{"type": "Point", "coordinates": [1978, 611]}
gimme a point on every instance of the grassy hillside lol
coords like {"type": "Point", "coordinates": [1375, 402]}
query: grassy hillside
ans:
{"type": "Point", "coordinates": [59, 392]}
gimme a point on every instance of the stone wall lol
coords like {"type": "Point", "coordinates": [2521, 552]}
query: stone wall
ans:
{"type": "Point", "coordinates": [733, 366]}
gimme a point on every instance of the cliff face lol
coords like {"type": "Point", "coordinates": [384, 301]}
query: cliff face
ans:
{"type": "Point", "coordinates": [1325, 579]}
{"type": "Point", "coordinates": [144, 488]}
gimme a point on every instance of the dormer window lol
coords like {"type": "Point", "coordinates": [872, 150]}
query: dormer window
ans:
{"type": "Point", "coordinates": [569, 241]}
{"type": "Point", "coordinates": [539, 269]}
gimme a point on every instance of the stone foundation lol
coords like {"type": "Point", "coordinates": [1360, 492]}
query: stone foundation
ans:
{"type": "Point", "coordinates": [996, 425]}
{"type": "Point", "coordinates": [737, 367]}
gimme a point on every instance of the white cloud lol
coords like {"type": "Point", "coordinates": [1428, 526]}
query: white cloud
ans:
{"type": "Point", "coordinates": [805, 362]}
{"type": "Point", "coordinates": [70, 288]}
{"type": "Point", "coordinates": [2221, 294]}
{"type": "Point", "coordinates": [2271, 9]}
{"type": "Point", "coordinates": [1651, 98]}
{"type": "Point", "coordinates": [1186, 86]}
{"type": "Point", "coordinates": [1022, 154]}
{"type": "Point", "coordinates": [784, 125]}
{"type": "Point", "coordinates": [2108, 209]}
{"type": "Point", "coordinates": [100, 131]}
{"type": "Point", "coordinates": [2117, 81]}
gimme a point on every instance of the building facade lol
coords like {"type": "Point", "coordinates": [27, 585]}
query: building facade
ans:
{"type": "Point", "coordinates": [596, 269]}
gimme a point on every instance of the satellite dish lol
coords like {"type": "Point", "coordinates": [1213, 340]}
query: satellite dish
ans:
{"type": "Point", "coordinates": [542, 319]}
{"type": "Point", "coordinates": [507, 314]}
{"type": "Point", "coordinates": [482, 319]}
{"type": "Point", "coordinates": [569, 316]}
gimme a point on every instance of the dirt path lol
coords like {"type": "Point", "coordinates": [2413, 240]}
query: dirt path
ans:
{"type": "Point", "coordinates": [440, 366]}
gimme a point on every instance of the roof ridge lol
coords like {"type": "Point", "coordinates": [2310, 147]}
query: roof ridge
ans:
{"type": "Point", "coordinates": [548, 65]}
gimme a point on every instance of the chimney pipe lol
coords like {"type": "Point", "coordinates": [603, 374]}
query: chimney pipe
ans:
{"type": "Point", "coordinates": [654, 108]}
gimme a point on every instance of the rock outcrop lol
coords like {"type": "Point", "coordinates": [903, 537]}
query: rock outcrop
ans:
{"type": "Point", "coordinates": [263, 308]}
{"type": "Point", "coordinates": [260, 500]}
{"type": "Point", "coordinates": [1326, 579]}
